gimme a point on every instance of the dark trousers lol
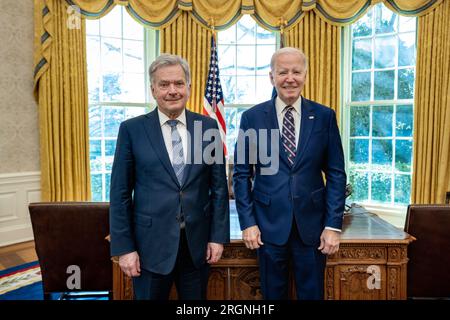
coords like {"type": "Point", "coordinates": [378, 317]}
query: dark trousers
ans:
{"type": "Point", "coordinates": [191, 282]}
{"type": "Point", "coordinates": [308, 265]}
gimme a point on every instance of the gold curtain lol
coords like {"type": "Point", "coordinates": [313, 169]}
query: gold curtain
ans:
{"type": "Point", "coordinates": [185, 37]}
{"type": "Point", "coordinates": [431, 177]}
{"type": "Point", "coordinates": [61, 92]}
{"type": "Point", "coordinates": [321, 43]}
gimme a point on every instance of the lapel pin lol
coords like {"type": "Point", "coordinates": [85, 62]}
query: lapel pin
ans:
{"type": "Point", "coordinates": [311, 117]}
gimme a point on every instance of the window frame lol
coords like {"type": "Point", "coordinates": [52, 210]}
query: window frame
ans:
{"type": "Point", "coordinates": [151, 51]}
{"type": "Point", "coordinates": [394, 213]}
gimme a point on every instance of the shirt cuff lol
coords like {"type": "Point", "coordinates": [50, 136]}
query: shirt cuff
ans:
{"type": "Point", "coordinates": [334, 229]}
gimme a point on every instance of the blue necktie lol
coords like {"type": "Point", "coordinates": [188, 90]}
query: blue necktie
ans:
{"type": "Point", "coordinates": [177, 150]}
{"type": "Point", "coordinates": [288, 135]}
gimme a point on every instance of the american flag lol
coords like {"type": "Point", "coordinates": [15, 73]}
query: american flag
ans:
{"type": "Point", "coordinates": [213, 104]}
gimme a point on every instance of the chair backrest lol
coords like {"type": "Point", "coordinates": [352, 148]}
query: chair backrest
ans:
{"type": "Point", "coordinates": [429, 256]}
{"type": "Point", "coordinates": [72, 234]}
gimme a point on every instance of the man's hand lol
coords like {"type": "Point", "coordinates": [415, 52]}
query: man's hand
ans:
{"type": "Point", "coordinates": [252, 237]}
{"type": "Point", "coordinates": [213, 252]}
{"type": "Point", "coordinates": [129, 263]}
{"type": "Point", "coordinates": [329, 241]}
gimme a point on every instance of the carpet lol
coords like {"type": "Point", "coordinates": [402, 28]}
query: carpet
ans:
{"type": "Point", "coordinates": [23, 282]}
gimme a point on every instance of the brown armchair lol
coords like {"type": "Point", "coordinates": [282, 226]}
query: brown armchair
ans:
{"type": "Point", "coordinates": [72, 233]}
{"type": "Point", "coordinates": [429, 256]}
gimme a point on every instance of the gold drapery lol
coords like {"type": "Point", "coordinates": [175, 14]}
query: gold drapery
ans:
{"type": "Point", "coordinates": [61, 92]}
{"type": "Point", "coordinates": [187, 38]}
{"type": "Point", "coordinates": [431, 177]}
{"type": "Point", "coordinates": [321, 43]}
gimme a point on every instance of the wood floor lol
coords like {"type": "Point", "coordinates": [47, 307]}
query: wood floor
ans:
{"type": "Point", "coordinates": [17, 254]}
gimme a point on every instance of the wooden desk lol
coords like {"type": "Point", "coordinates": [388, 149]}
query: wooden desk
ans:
{"type": "Point", "coordinates": [370, 265]}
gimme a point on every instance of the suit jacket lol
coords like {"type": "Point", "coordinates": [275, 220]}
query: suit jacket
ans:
{"type": "Point", "coordinates": [146, 197]}
{"type": "Point", "coordinates": [273, 200]}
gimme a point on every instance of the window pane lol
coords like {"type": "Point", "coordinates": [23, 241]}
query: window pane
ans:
{"type": "Point", "coordinates": [362, 54]}
{"type": "Point", "coordinates": [131, 112]}
{"type": "Point", "coordinates": [95, 154]}
{"type": "Point", "coordinates": [229, 88]}
{"type": "Point", "coordinates": [113, 117]}
{"type": "Point", "coordinates": [381, 187]}
{"type": "Point", "coordinates": [361, 86]}
{"type": "Point", "coordinates": [263, 56]}
{"type": "Point", "coordinates": [359, 151]}
{"type": "Point", "coordinates": [384, 85]}
{"type": "Point", "coordinates": [245, 92]}
{"type": "Point", "coordinates": [264, 36]}
{"type": "Point", "coordinates": [95, 121]}
{"type": "Point", "coordinates": [111, 24]}
{"type": "Point", "coordinates": [403, 155]}
{"type": "Point", "coordinates": [382, 121]}
{"type": "Point", "coordinates": [111, 55]}
{"type": "Point", "coordinates": [359, 121]}
{"type": "Point", "coordinates": [360, 185]}
{"type": "Point", "coordinates": [131, 28]}
{"type": "Point", "coordinates": [382, 153]}
{"type": "Point", "coordinates": [110, 147]}
{"type": "Point", "coordinates": [96, 187]}
{"type": "Point", "coordinates": [227, 36]}
{"type": "Point", "coordinates": [94, 86]}
{"type": "Point", "coordinates": [246, 60]}
{"type": "Point", "coordinates": [385, 52]}
{"type": "Point", "coordinates": [133, 87]}
{"type": "Point", "coordinates": [407, 23]}
{"type": "Point", "coordinates": [407, 49]}
{"type": "Point", "coordinates": [402, 190]}
{"type": "Point", "coordinates": [133, 56]}
{"type": "Point", "coordinates": [386, 20]}
{"type": "Point", "coordinates": [404, 121]}
{"type": "Point", "coordinates": [227, 60]}
{"type": "Point", "coordinates": [107, 185]}
{"type": "Point", "coordinates": [363, 27]}
{"type": "Point", "coordinates": [93, 53]}
{"type": "Point", "coordinates": [406, 83]}
{"type": "Point", "coordinates": [112, 88]}
{"type": "Point", "coordinates": [264, 87]}
{"type": "Point", "coordinates": [92, 27]}
{"type": "Point", "coordinates": [246, 29]}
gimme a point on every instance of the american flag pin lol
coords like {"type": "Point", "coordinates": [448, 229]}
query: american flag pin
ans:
{"type": "Point", "coordinates": [311, 117]}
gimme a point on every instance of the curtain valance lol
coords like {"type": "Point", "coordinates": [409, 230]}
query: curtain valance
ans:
{"type": "Point", "coordinates": [270, 14]}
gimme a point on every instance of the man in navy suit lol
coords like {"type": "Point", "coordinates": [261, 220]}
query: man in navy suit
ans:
{"type": "Point", "coordinates": [290, 215]}
{"type": "Point", "coordinates": [169, 213]}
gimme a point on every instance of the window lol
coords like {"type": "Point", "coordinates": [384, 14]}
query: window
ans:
{"type": "Point", "coordinates": [378, 101]}
{"type": "Point", "coordinates": [118, 53]}
{"type": "Point", "coordinates": [244, 50]}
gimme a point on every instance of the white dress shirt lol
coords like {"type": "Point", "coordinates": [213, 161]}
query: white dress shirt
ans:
{"type": "Point", "coordinates": [297, 115]}
{"type": "Point", "coordinates": [167, 132]}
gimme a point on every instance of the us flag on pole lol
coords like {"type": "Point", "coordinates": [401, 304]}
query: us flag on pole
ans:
{"type": "Point", "coordinates": [213, 104]}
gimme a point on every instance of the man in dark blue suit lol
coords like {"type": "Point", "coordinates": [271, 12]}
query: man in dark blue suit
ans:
{"type": "Point", "coordinates": [169, 213]}
{"type": "Point", "coordinates": [286, 211]}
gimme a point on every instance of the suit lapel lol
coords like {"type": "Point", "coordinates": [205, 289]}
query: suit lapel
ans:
{"type": "Point", "coordinates": [307, 124]}
{"type": "Point", "coordinates": [154, 134]}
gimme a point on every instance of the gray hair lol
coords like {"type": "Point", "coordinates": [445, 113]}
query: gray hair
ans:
{"type": "Point", "coordinates": [166, 59]}
{"type": "Point", "coordinates": [288, 50]}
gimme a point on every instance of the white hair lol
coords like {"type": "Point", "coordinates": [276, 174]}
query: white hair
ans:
{"type": "Point", "coordinates": [288, 50]}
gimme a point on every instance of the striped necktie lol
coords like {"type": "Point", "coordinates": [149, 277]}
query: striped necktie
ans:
{"type": "Point", "coordinates": [288, 135]}
{"type": "Point", "coordinates": [177, 150]}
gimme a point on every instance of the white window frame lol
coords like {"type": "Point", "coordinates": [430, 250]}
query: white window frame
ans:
{"type": "Point", "coordinates": [151, 36]}
{"type": "Point", "coordinates": [393, 213]}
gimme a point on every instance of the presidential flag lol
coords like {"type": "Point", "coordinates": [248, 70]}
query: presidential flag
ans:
{"type": "Point", "coordinates": [213, 104]}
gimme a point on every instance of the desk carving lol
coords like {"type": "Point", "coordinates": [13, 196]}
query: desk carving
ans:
{"type": "Point", "coordinates": [370, 265]}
